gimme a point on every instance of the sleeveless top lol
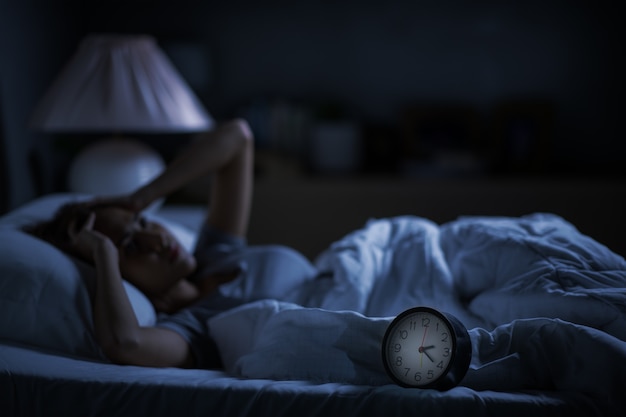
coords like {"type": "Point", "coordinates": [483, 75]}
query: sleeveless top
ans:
{"type": "Point", "coordinates": [263, 272]}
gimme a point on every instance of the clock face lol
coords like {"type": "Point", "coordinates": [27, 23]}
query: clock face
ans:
{"type": "Point", "coordinates": [419, 347]}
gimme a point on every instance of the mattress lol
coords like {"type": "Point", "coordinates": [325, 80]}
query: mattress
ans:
{"type": "Point", "coordinates": [35, 382]}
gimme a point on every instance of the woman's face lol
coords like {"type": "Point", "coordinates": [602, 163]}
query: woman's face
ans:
{"type": "Point", "coordinates": [150, 257]}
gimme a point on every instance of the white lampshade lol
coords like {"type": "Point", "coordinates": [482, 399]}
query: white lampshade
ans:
{"type": "Point", "coordinates": [119, 84]}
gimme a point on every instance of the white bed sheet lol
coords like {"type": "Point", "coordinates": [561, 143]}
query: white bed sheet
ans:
{"type": "Point", "coordinates": [36, 383]}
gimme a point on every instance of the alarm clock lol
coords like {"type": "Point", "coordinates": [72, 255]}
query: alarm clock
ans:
{"type": "Point", "coordinates": [426, 348]}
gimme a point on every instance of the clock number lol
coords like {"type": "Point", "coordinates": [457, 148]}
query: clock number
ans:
{"type": "Point", "coordinates": [440, 365]}
{"type": "Point", "coordinates": [425, 322]}
{"type": "Point", "coordinates": [417, 376]}
{"type": "Point", "coordinates": [403, 334]}
{"type": "Point", "coordinates": [412, 325]}
{"type": "Point", "coordinates": [444, 337]}
{"type": "Point", "coordinates": [431, 374]}
{"type": "Point", "coordinates": [398, 347]}
{"type": "Point", "coordinates": [446, 352]}
{"type": "Point", "coordinates": [398, 360]}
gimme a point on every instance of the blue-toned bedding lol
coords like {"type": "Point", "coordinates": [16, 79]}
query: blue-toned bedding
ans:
{"type": "Point", "coordinates": [545, 307]}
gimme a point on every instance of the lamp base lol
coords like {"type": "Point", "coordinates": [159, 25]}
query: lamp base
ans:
{"type": "Point", "coordinates": [114, 167]}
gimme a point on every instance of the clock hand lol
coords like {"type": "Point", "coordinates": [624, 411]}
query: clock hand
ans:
{"type": "Point", "coordinates": [421, 348]}
{"type": "Point", "coordinates": [429, 357]}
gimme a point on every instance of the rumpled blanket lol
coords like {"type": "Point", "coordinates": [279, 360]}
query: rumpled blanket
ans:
{"type": "Point", "coordinates": [544, 304]}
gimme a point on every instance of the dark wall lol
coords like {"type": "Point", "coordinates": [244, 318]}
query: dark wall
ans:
{"type": "Point", "coordinates": [378, 58]}
{"type": "Point", "coordinates": [372, 61]}
{"type": "Point", "coordinates": [35, 39]}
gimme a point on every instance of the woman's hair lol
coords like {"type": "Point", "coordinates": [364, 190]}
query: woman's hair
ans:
{"type": "Point", "coordinates": [56, 229]}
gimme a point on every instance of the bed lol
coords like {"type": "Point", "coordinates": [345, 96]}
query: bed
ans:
{"type": "Point", "coordinates": [545, 306]}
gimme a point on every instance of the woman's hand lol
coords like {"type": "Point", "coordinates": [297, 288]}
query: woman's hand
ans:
{"type": "Point", "coordinates": [86, 241]}
{"type": "Point", "coordinates": [227, 154]}
{"type": "Point", "coordinates": [117, 330]}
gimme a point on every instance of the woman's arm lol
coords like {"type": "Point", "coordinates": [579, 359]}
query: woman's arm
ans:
{"type": "Point", "coordinates": [117, 330]}
{"type": "Point", "coordinates": [228, 154]}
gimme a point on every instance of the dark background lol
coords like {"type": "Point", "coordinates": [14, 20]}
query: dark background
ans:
{"type": "Point", "coordinates": [521, 88]}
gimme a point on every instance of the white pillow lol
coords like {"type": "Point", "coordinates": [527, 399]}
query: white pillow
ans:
{"type": "Point", "coordinates": [45, 294]}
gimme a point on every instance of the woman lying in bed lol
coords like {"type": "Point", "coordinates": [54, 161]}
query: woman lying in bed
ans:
{"type": "Point", "coordinates": [488, 272]}
{"type": "Point", "coordinates": [120, 242]}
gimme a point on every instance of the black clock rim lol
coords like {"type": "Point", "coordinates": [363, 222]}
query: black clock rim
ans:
{"type": "Point", "coordinates": [447, 380]}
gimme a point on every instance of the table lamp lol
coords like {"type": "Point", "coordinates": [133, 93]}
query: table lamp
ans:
{"type": "Point", "coordinates": [118, 84]}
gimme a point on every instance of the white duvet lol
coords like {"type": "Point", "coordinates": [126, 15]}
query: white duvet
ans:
{"type": "Point", "coordinates": [545, 305]}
